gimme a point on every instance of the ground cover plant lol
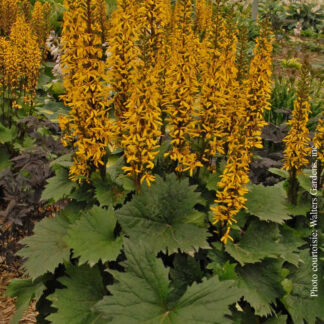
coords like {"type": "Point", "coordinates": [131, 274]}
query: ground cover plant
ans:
{"type": "Point", "coordinates": [190, 185]}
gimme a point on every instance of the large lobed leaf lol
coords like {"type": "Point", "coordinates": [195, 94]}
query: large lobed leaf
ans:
{"type": "Point", "coordinates": [164, 217]}
{"type": "Point", "coordinates": [59, 186]}
{"type": "Point", "coordinates": [74, 303]}
{"type": "Point", "coordinates": [268, 203]}
{"type": "Point", "coordinates": [143, 295]}
{"type": "Point", "coordinates": [46, 249]}
{"type": "Point", "coordinates": [264, 240]}
{"type": "Point", "coordinates": [92, 237]}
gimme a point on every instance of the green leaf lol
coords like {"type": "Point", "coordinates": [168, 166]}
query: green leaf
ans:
{"type": "Point", "coordinates": [142, 294]}
{"type": "Point", "coordinates": [264, 240]}
{"type": "Point", "coordinates": [65, 161]}
{"type": "Point", "coordinates": [268, 203]}
{"type": "Point", "coordinates": [185, 271]}
{"type": "Point", "coordinates": [46, 249]}
{"type": "Point", "coordinates": [304, 181]}
{"type": "Point", "coordinates": [92, 237]}
{"type": "Point", "coordinates": [58, 187]}
{"type": "Point", "coordinates": [261, 283]}
{"type": "Point", "coordinates": [213, 180]}
{"type": "Point", "coordinates": [163, 217]}
{"type": "Point", "coordinates": [282, 173]}
{"type": "Point", "coordinates": [7, 135]}
{"type": "Point", "coordinates": [281, 319]}
{"type": "Point", "coordinates": [301, 209]}
{"type": "Point", "coordinates": [4, 159]}
{"type": "Point", "coordinates": [84, 288]}
{"type": "Point", "coordinates": [25, 290]}
{"type": "Point", "coordinates": [107, 192]}
{"type": "Point", "coordinates": [299, 303]}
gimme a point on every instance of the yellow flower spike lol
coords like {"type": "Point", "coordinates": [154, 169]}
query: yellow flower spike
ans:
{"type": "Point", "coordinates": [8, 15]}
{"type": "Point", "coordinates": [40, 23]}
{"type": "Point", "coordinates": [141, 124]}
{"type": "Point", "coordinates": [88, 128]}
{"type": "Point", "coordinates": [121, 57]}
{"type": "Point", "coordinates": [259, 84]}
{"type": "Point", "coordinates": [182, 85]}
{"type": "Point", "coordinates": [22, 60]}
{"type": "Point", "coordinates": [297, 141]}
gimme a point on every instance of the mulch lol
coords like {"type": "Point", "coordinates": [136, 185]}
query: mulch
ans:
{"type": "Point", "coordinates": [7, 305]}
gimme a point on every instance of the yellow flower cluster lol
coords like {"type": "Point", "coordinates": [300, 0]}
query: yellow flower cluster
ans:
{"type": "Point", "coordinates": [214, 92]}
{"type": "Point", "coordinates": [182, 84]}
{"type": "Point", "coordinates": [297, 141]}
{"type": "Point", "coordinates": [204, 12]}
{"type": "Point", "coordinates": [40, 22]}
{"type": "Point", "coordinates": [142, 127]}
{"type": "Point", "coordinates": [318, 140]}
{"type": "Point", "coordinates": [169, 76]}
{"type": "Point", "coordinates": [88, 127]}
{"type": "Point", "coordinates": [8, 15]}
{"type": "Point", "coordinates": [102, 17]}
{"type": "Point", "coordinates": [121, 58]}
{"type": "Point", "coordinates": [245, 122]}
{"type": "Point", "coordinates": [259, 84]}
{"type": "Point", "coordinates": [21, 60]}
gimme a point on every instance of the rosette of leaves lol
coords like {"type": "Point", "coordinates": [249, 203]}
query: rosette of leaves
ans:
{"type": "Point", "coordinates": [164, 217]}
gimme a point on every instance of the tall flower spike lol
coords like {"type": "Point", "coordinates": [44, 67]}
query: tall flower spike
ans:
{"type": "Point", "coordinates": [88, 127]}
{"type": "Point", "coordinates": [297, 141]}
{"type": "Point", "coordinates": [213, 85]}
{"type": "Point", "coordinates": [259, 86]}
{"type": "Point", "coordinates": [183, 88]}
{"type": "Point", "coordinates": [121, 58]}
{"type": "Point", "coordinates": [8, 15]}
{"type": "Point", "coordinates": [28, 60]}
{"type": "Point", "coordinates": [203, 15]}
{"type": "Point", "coordinates": [232, 187]}
{"type": "Point", "coordinates": [40, 23]}
{"type": "Point", "coordinates": [102, 16]}
{"type": "Point", "coordinates": [142, 129]}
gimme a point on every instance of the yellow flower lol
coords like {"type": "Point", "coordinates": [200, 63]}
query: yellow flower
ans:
{"type": "Point", "coordinates": [182, 84]}
{"type": "Point", "coordinates": [40, 23]}
{"type": "Point", "coordinates": [203, 15]}
{"type": "Point", "coordinates": [121, 57]}
{"type": "Point", "coordinates": [8, 15]}
{"type": "Point", "coordinates": [22, 60]}
{"type": "Point", "coordinates": [88, 127]}
{"type": "Point", "coordinates": [142, 120]}
{"type": "Point", "coordinates": [259, 86]}
{"type": "Point", "coordinates": [297, 141]}
{"type": "Point", "coordinates": [218, 88]}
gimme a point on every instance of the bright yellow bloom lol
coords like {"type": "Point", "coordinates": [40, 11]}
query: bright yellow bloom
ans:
{"type": "Point", "coordinates": [218, 87]}
{"type": "Point", "coordinates": [259, 86]}
{"type": "Point", "coordinates": [245, 108]}
{"type": "Point", "coordinates": [102, 17]}
{"type": "Point", "coordinates": [8, 15]}
{"type": "Point", "coordinates": [22, 61]}
{"type": "Point", "coordinates": [122, 56]}
{"type": "Point", "coordinates": [142, 126]}
{"type": "Point", "coordinates": [203, 15]}
{"type": "Point", "coordinates": [40, 23]}
{"type": "Point", "coordinates": [297, 141]}
{"type": "Point", "coordinates": [88, 127]}
{"type": "Point", "coordinates": [182, 84]}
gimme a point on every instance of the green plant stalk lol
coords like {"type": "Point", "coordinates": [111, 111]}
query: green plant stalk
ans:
{"type": "Point", "coordinates": [293, 187]}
